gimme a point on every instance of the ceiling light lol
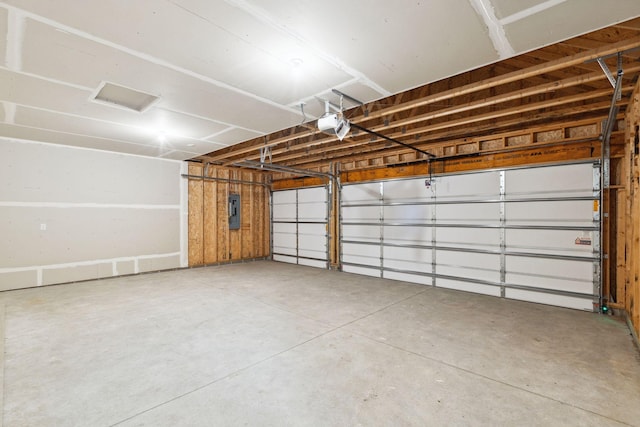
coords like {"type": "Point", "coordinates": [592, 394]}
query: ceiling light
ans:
{"type": "Point", "coordinates": [297, 68]}
{"type": "Point", "coordinates": [162, 136]}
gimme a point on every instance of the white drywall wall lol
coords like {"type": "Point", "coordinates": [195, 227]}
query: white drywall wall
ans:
{"type": "Point", "coordinates": [69, 214]}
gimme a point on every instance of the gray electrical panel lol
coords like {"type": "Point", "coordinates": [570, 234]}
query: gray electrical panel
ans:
{"type": "Point", "coordinates": [234, 211]}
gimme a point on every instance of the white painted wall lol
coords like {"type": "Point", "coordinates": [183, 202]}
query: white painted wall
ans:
{"type": "Point", "coordinates": [69, 214]}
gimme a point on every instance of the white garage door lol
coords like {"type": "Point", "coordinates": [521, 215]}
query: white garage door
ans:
{"type": "Point", "coordinates": [299, 221]}
{"type": "Point", "coordinates": [529, 234]}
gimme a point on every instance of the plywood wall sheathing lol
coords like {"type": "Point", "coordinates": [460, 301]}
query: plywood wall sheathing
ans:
{"type": "Point", "coordinates": [632, 211]}
{"type": "Point", "coordinates": [210, 240]}
{"type": "Point", "coordinates": [246, 207]}
{"type": "Point", "coordinates": [235, 242]}
{"type": "Point", "coordinates": [620, 246]}
{"type": "Point", "coordinates": [210, 213]}
{"type": "Point", "coordinates": [222, 226]}
{"type": "Point", "coordinates": [196, 217]}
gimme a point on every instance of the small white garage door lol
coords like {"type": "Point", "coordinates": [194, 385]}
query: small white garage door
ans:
{"type": "Point", "coordinates": [529, 234]}
{"type": "Point", "coordinates": [299, 226]}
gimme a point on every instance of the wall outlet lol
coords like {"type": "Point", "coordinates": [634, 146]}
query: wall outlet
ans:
{"type": "Point", "coordinates": [43, 227]}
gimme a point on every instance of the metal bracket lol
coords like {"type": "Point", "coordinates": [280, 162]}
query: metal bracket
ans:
{"type": "Point", "coordinates": [607, 72]}
{"type": "Point", "coordinates": [609, 124]}
{"type": "Point", "coordinates": [613, 79]}
{"type": "Point", "coordinates": [264, 153]}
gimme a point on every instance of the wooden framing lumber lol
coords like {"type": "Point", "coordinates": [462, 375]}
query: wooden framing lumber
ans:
{"type": "Point", "coordinates": [473, 87]}
{"type": "Point", "coordinates": [210, 239]}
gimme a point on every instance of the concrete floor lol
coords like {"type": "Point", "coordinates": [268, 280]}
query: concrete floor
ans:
{"type": "Point", "coordinates": [272, 344]}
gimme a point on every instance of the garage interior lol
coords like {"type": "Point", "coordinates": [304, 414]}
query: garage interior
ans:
{"type": "Point", "coordinates": [278, 213]}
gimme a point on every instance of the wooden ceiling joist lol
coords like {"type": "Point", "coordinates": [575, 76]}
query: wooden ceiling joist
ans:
{"type": "Point", "coordinates": [551, 84]}
{"type": "Point", "coordinates": [471, 119]}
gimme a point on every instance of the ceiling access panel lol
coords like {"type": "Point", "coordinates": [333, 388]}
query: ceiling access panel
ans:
{"type": "Point", "coordinates": [214, 39]}
{"type": "Point", "coordinates": [68, 109]}
{"type": "Point", "coordinates": [78, 61]}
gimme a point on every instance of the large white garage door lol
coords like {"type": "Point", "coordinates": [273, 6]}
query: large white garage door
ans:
{"type": "Point", "coordinates": [299, 221]}
{"type": "Point", "coordinates": [529, 234]}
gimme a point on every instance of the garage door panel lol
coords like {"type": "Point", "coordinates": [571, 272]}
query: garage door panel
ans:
{"type": "Point", "coordinates": [284, 247]}
{"type": "Point", "coordinates": [474, 260]}
{"type": "Point", "coordinates": [464, 272]}
{"type": "Point", "coordinates": [284, 240]}
{"type": "Point", "coordinates": [360, 193]}
{"type": "Point", "coordinates": [312, 212]}
{"type": "Point", "coordinates": [312, 263]}
{"type": "Point", "coordinates": [576, 303]}
{"type": "Point", "coordinates": [454, 236]}
{"type": "Point", "coordinates": [408, 214]}
{"type": "Point", "coordinates": [312, 195]}
{"type": "Point", "coordinates": [567, 180]}
{"type": "Point", "coordinates": [319, 255]}
{"type": "Point", "coordinates": [299, 226]}
{"type": "Point", "coordinates": [365, 233]}
{"type": "Point", "coordinates": [317, 231]}
{"type": "Point", "coordinates": [313, 242]}
{"type": "Point", "coordinates": [364, 271]}
{"type": "Point", "coordinates": [284, 258]}
{"type": "Point", "coordinates": [282, 227]}
{"type": "Point", "coordinates": [551, 212]}
{"type": "Point", "coordinates": [475, 213]}
{"type": "Point", "coordinates": [284, 212]}
{"type": "Point", "coordinates": [410, 259]}
{"type": "Point", "coordinates": [525, 234]}
{"type": "Point", "coordinates": [361, 214]}
{"type": "Point", "coordinates": [284, 197]}
{"type": "Point", "coordinates": [361, 254]}
{"type": "Point", "coordinates": [408, 235]}
{"type": "Point", "coordinates": [567, 269]}
{"type": "Point", "coordinates": [557, 242]}
{"type": "Point", "coordinates": [413, 190]}
{"type": "Point", "coordinates": [547, 282]}
{"type": "Point", "coordinates": [406, 277]}
{"type": "Point", "coordinates": [468, 287]}
{"type": "Point", "coordinates": [312, 245]}
{"type": "Point", "coordinates": [469, 186]}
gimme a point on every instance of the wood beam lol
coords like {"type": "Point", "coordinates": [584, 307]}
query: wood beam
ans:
{"type": "Point", "coordinates": [496, 114]}
{"type": "Point", "coordinates": [535, 70]}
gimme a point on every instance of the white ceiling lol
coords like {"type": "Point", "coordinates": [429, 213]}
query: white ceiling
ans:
{"type": "Point", "coordinates": [224, 70]}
